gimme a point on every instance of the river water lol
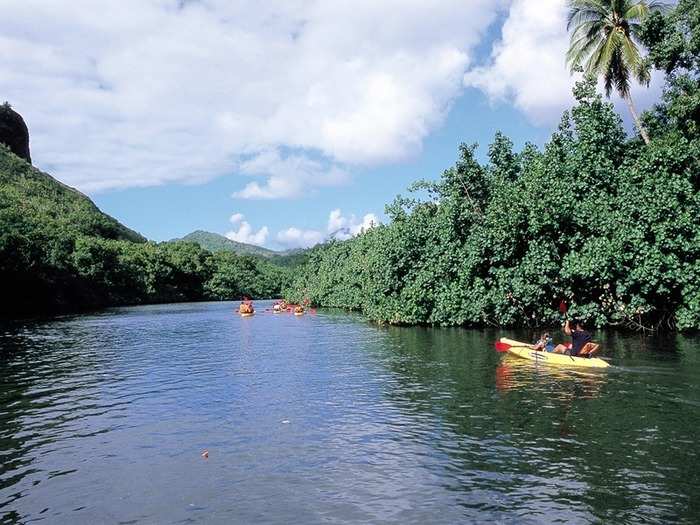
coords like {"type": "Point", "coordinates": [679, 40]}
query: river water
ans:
{"type": "Point", "coordinates": [327, 419]}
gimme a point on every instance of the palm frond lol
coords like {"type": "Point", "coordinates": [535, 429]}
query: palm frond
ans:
{"type": "Point", "coordinates": [608, 83]}
{"type": "Point", "coordinates": [643, 73]}
{"type": "Point", "coordinates": [655, 5]}
{"type": "Point", "coordinates": [636, 11]}
{"type": "Point", "coordinates": [581, 11]}
{"type": "Point", "coordinates": [583, 39]}
{"type": "Point", "coordinates": [620, 75]}
{"type": "Point", "coordinates": [630, 53]}
{"type": "Point", "coordinates": [619, 6]}
{"type": "Point", "coordinates": [581, 49]}
{"type": "Point", "coordinates": [601, 59]}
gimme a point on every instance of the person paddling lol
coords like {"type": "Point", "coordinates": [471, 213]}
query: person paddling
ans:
{"type": "Point", "coordinates": [579, 338]}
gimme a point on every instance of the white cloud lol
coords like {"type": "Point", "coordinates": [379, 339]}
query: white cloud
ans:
{"type": "Point", "coordinates": [339, 227]}
{"type": "Point", "coordinates": [287, 177]}
{"type": "Point", "coordinates": [336, 221]}
{"type": "Point", "coordinates": [296, 238]}
{"type": "Point", "coordinates": [245, 231]}
{"type": "Point", "coordinates": [370, 220]}
{"type": "Point", "coordinates": [528, 64]}
{"type": "Point", "coordinates": [125, 93]}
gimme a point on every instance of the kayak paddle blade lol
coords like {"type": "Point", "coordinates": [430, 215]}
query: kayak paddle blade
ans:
{"type": "Point", "coordinates": [501, 347]}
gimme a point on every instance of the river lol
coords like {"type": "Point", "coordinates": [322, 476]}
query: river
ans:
{"type": "Point", "coordinates": [328, 419]}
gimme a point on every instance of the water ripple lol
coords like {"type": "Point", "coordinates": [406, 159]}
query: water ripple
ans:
{"type": "Point", "coordinates": [326, 419]}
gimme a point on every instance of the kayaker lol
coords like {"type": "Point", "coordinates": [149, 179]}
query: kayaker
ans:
{"type": "Point", "coordinates": [544, 343]}
{"type": "Point", "coordinates": [579, 338]}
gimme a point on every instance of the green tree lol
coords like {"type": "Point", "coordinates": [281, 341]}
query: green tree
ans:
{"type": "Point", "coordinates": [593, 219]}
{"type": "Point", "coordinates": [673, 40]}
{"type": "Point", "coordinates": [235, 276]}
{"type": "Point", "coordinates": [604, 41]}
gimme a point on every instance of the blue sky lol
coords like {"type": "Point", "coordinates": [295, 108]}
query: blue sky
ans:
{"type": "Point", "coordinates": [276, 123]}
{"type": "Point", "coordinates": [173, 210]}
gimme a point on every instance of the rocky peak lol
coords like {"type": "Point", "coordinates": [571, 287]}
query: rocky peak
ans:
{"type": "Point", "coordinates": [14, 132]}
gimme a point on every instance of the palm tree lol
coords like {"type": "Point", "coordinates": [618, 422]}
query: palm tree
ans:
{"type": "Point", "coordinates": [604, 41]}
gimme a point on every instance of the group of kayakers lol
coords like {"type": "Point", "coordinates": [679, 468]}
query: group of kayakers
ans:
{"type": "Point", "coordinates": [283, 306]}
{"type": "Point", "coordinates": [580, 337]}
{"type": "Point", "coordinates": [246, 308]}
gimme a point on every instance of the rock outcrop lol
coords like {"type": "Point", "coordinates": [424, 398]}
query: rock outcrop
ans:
{"type": "Point", "coordinates": [14, 132]}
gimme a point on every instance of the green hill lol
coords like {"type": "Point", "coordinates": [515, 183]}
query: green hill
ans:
{"type": "Point", "coordinates": [218, 243]}
{"type": "Point", "coordinates": [60, 253]}
{"type": "Point", "coordinates": [32, 197]}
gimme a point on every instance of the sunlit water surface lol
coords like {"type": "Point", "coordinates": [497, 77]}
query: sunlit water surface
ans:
{"type": "Point", "coordinates": [325, 418]}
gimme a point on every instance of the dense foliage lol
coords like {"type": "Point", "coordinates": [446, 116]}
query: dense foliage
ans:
{"type": "Point", "coordinates": [58, 252]}
{"type": "Point", "coordinates": [674, 47]}
{"type": "Point", "coordinates": [608, 224]}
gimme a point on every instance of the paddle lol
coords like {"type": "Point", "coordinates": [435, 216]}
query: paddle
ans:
{"type": "Point", "coordinates": [563, 308]}
{"type": "Point", "coordinates": [500, 346]}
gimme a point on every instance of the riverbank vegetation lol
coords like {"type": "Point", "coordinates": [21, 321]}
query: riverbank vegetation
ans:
{"type": "Point", "coordinates": [59, 252]}
{"type": "Point", "coordinates": [605, 222]}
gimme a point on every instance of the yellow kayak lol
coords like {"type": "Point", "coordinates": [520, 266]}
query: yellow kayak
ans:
{"type": "Point", "coordinates": [523, 350]}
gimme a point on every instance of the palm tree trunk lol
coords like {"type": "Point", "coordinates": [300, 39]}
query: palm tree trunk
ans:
{"type": "Point", "coordinates": [642, 130]}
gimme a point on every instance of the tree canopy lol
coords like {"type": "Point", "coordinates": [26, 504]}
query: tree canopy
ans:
{"type": "Point", "coordinates": [603, 222]}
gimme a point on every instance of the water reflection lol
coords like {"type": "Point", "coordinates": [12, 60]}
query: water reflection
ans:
{"type": "Point", "coordinates": [562, 383]}
{"type": "Point", "coordinates": [552, 440]}
{"type": "Point", "coordinates": [327, 418]}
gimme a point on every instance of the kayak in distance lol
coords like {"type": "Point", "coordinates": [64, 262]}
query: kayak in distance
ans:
{"type": "Point", "coordinates": [280, 307]}
{"type": "Point", "coordinates": [246, 308]}
{"type": "Point", "coordinates": [525, 351]}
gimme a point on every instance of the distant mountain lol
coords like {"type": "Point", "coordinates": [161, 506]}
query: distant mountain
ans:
{"type": "Point", "coordinates": [215, 242]}
{"type": "Point", "coordinates": [218, 243]}
{"type": "Point", "coordinates": [341, 234]}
